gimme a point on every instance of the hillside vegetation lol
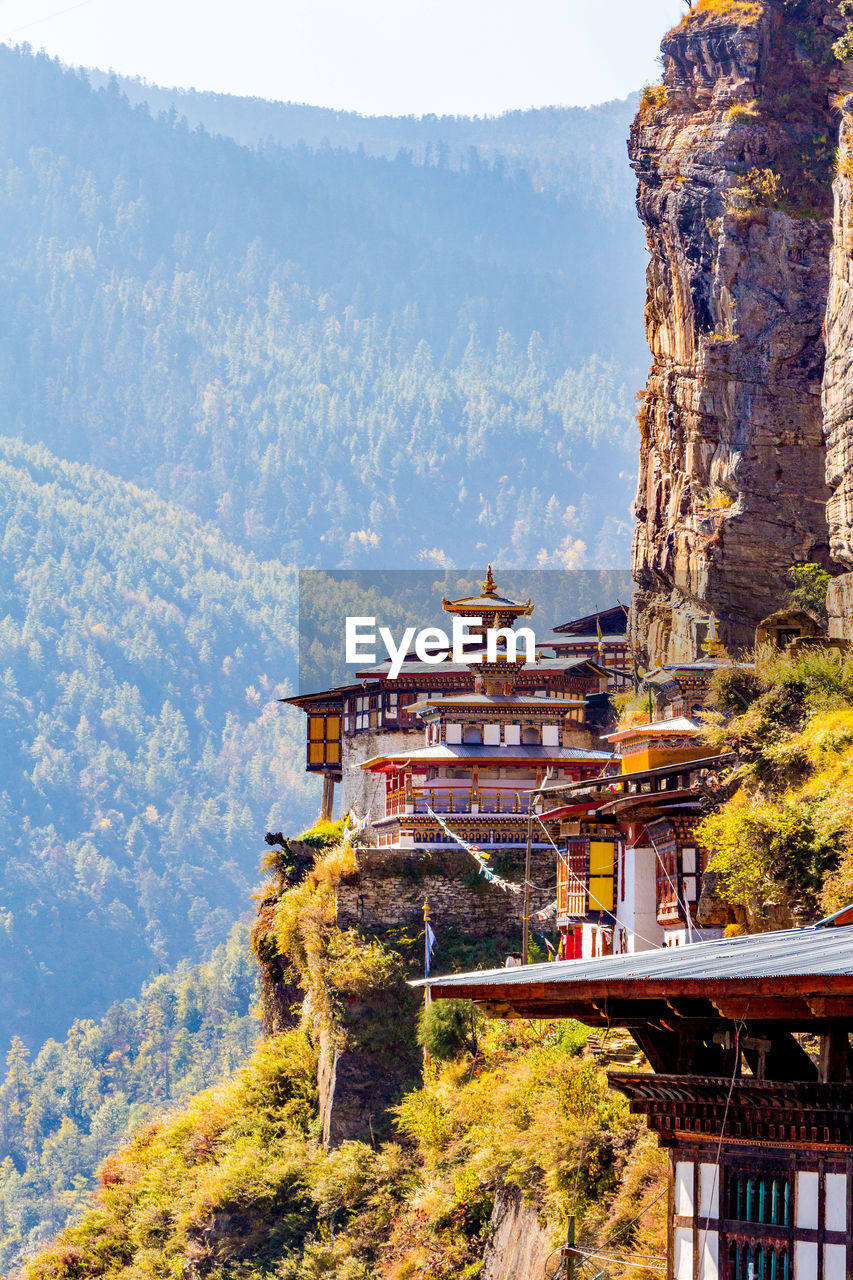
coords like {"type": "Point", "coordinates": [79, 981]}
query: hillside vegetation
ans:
{"type": "Point", "coordinates": [144, 754]}
{"type": "Point", "coordinates": [337, 358]}
{"type": "Point", "coordinates": [780, 843]}
{"type": "Point", "coordinates": [66, 1107]}
{"type": "Point", "coordinates": [238, 1184]}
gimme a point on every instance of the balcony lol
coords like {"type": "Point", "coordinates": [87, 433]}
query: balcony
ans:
{"type": "Point", "coordinates": [447, 800]}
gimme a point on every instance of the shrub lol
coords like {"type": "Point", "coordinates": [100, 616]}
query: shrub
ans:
{"type": "Point", "coordinates": [809, 583]}
{"type": "Point", "coordinates": [323, 834]}
{"type": "Point", "coordinates": [742, 112]}
{"type": "Point", "coordinates": [450, 1029]}
{"type": "Point", "coordinates": [654, 95]}
{"type": "Point", "coordinates": [734, 689]}
{"type": "Point", "coordinates": [739, 10]}
{"type": "Point", "coordinates": [769, 856]}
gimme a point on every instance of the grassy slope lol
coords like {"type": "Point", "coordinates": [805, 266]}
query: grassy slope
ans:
{"type": "Point", "coordinates": [238, 1185]}
{"type": "Point", "coordinates": [780, 843]}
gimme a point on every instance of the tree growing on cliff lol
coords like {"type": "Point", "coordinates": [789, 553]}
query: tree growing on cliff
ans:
{"type": "Point", "coordinates": [450, 1029]}
{"type": "Point", "coordinates": [809, 584]}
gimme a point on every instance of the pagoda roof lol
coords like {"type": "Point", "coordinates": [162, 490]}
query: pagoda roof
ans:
{"type": "Point", "coordinates": [447, 753]}
{"type": "Point", "coordinates": [678, 725]}
{"type": "Point", "coordinates": [799, 976]}
{"type": "Point", "coordinates": [488, 602]}
{"type": "Point", "coordinates": [613, 622]}
{"type": "Point", "coordinates": [414, 666]}
{"type": "Point", "coordinates": [304, 700]}
{"type": "Point", "coordinates": [482, 700]}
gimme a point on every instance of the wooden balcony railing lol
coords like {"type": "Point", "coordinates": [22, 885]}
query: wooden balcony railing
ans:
{"type": "Point", "coordinates": [446, 800]}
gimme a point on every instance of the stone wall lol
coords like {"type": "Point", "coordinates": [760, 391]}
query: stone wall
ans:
{"type": "Point", "coordinates": [733, 159]}
{"type": "Point", "coordinates": [365, 792]}
{"type": "Point", "coordinates": [389, 888]}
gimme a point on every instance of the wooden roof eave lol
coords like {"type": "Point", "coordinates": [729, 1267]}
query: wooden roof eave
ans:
{"type": "Point", "coordinates": [801, 999]}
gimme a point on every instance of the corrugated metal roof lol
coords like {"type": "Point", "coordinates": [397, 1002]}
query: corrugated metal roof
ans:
{"type": "Point", "coordinates": [792, 952]}
{"type": "Point", "coordinates": [678, 724]}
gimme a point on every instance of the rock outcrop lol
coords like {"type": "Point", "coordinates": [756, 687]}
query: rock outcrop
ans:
{"type": "Point", "coordinates": [518, 1245]}
{"type": "Point", "coordinates": [733, 154]}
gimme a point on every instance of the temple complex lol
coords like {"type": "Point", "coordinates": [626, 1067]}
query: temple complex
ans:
{"type": "Point", "coordinates": [513, 721]}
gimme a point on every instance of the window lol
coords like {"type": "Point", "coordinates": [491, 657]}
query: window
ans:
{"type": "Point", "coordinates": [324, 740]}
{"type": "Point", "coordinates": [759, 1200]}
{"type": "Point", "coordinates": [759, 1197]}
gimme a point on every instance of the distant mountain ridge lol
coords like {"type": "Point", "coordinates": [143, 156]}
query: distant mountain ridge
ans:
{"type": "Point", "coordinates": [338, 358]}
{"type": "Point", "coordinates": [560, 146]}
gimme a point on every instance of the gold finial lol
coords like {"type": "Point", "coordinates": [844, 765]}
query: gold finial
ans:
{"type": "Point", "coordinates": [489, 588]}
{"type": "Point", "coordinates": [713, 646]}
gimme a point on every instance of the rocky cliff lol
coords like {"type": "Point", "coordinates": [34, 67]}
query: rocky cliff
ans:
{"type": "Point", "coordinates": [734, 154]}
{"type": "Point", "coordinates": [838, 384]}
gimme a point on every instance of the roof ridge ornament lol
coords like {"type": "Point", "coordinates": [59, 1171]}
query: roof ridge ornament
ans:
{"type": "Point", "coordinates": [488, 585]}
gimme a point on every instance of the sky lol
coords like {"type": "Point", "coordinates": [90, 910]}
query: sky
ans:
{"type": "Point", "coordinates": [470, 57]}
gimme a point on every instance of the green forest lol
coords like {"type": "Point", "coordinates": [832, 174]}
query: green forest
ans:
{"type": "Point", "coordinates": [144, 752]}
{"type": "Point", "coordinates": [315, 357]}
{"type": "Point", "coordinates": [575, 150]}
{"type": "Point", "coordinates": [241, 339]}
{"type": "Point", "coordinates": [65, 1107]}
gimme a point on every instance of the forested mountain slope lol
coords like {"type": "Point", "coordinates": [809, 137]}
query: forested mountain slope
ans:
{"type": "Point", "coordinates": [144, 755]}
{"type": "Point", "coordinates": [580, 150]}
{"type": "Point", "coordinates": [67, 1105]}
{"type": "Point", "coordinates": [338, 358]}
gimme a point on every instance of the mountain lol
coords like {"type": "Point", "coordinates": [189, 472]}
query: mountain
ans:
{"type": "Point", "coordinates": [64, 1108]}
{"type": "Point", "coordinates": [144, 754]}
{"type": "Point", "coordinates": [577, 150]}
{"type": "Point", "coordinates": [338, 358]}
{"type": "Point", "coordinates": [735, 159]}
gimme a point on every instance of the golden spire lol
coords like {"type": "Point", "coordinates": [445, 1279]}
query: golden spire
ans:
{"type": "Point", "coordinates": [488, 585]}
{"type": "Point", "coordinates": [713, 646]}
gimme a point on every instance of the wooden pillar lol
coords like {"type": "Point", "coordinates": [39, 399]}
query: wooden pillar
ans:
{"type": "Point", "coordinates": [327, 806]}
{"type": "Point", "coordinates": [833, 1054]}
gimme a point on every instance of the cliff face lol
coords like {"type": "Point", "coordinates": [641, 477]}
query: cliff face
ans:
{"type": "Point", "coordinates": [838, 384]}
{"type": "Point", "coordinates": [733, 155]}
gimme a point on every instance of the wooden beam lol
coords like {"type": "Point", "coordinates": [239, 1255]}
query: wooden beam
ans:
{"type": "Point", "coordinates": [840, 1007]}
{"type": "Point", "coordinates": [765, 1008]}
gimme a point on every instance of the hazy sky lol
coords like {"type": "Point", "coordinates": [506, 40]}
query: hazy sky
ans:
{"type": "Point", "coordinates": [374, 56]}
